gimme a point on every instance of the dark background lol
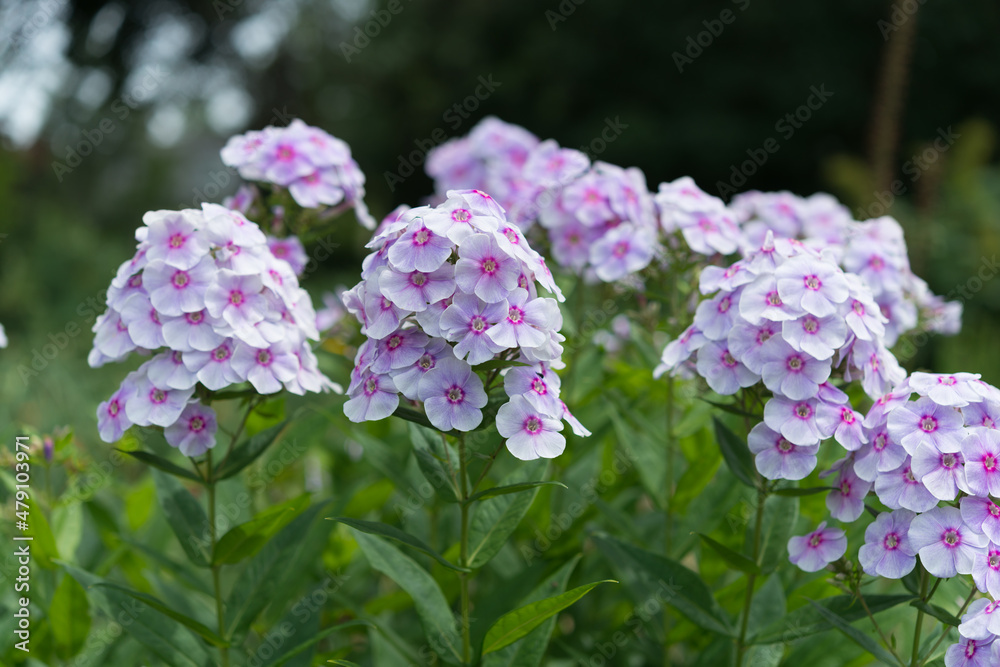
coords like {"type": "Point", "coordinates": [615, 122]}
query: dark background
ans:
{"type": "Point", "coordinates": [206, 70]}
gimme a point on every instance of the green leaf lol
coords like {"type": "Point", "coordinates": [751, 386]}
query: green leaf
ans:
{"type": "Point", "coordinates": [439, 623]}
{"type": "Point", "coordinates": [768, 603]}
{"type": "Point", "coordinates": [43, 547]}
{"type": "Point", "coordinates": [430, 453]}
{"type": "Point", "coordinates": [385, 530]}
{"type": "Point", "coordinates": [937, 612]}
{"type": "Point", "coordinates": [735, 560]}
{"type": "Point", "coordinates": [344, 663]}
{"type": "Point", "coordinates": [806, 621]}
{"type": "Point", "coordinates": [315, 639]}
{"type": "Point", "coordinates": [69, 617]}
{"type": "Point", "coordinates": [497, 364]}
{"type": "Point", "coordinates": [855, 635]}
{"type": "Point", "coordinates": [794, 492]}
{"type": "Point", "coordinates": [186, 518]}
{"type": "Point", "coordinates": [680, 587]}
{"type": "Point", "coordinates": [260, 580]}
{"type": "Point", "coordinates": [162, 635]}
{"type": "Point", "coordinates": [780, 515]}
{"type": "Point", "coordinates": [246, 453]}
{"type": "Point", "coordinates": [530, 649]}
{"type": "Point", "coordinates": [412, 415]}
{"type": "Point", "coordinates": [516, 624]}
{"type": "Point", "coordinates": [200, 629]}
{"type": "Point", "coordinates": [493, 522]}
{"type": "Point", "coordinates": [735, 453]}
{"type": "Point", "coordinates": [511, 488]}
{"type": "Point", "coordinates": [163, 464]}
{"type": "Point", "coordinates": [248, 538]}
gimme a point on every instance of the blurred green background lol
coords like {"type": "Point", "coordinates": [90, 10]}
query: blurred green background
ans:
{"type": "Point", "coordinates": [151, 90]}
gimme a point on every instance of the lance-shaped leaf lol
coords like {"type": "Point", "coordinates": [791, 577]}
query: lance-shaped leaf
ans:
{"type": "Point", "coordinates": [439, 623]}
{"type": "Point", "coordinates": [248, 538]}
{"type": "Point", "coordinates": [432, 455]}
{"type": "Point", "coordinates": [806, 621]}
{"type": "Point", "coordinates": [163, 464]}
{"type": "Point", "coordinates": [493, 522]}
{"type": "Point", "coordinates": [200, 629]}
{"type": "Point", "coordinates": [677, 585]}
{"type": "Point", "coordinates": [516, 624]}
{"type": "Point", "coordinates": [510, 488]}
{"type": "Point", "coordinates": [733, 559]}
{"type": "Point", "coordinates": [69, 616]}
{"type": "Point", "coordinates": [246, 453]}
{"type": "Point", "coordinates": [186, 518]}
{"type": "Point", "coordinates": [393, 533]}
{"type": "Point", "coordinates": [937, 612]}
{"type": "Point", "coordinates": [861, 639]}
{"type": "Point", "coordinates": [735, 453]}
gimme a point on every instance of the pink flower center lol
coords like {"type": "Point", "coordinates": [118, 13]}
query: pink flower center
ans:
{"type": "Point", "coordinates": [764, 335]}
{"type": "Point", "coordinates": [706, 225]}
{"type": "Point", "coordinates": [994, 560]}
{"type": "Point", "coordinates": [221, 353]}
{"type": "Point", "coordinates": [456, 395]}
{"type": "Point", "coordinates": [511, 235]}
{"type": "Point", "coordinates": [394, 341]}
{"type": "Point", "coordinates": [515, 315]}
{"type": "Point", "coordinates": [815, 540]}
{"type": "Point", "coordinates": [908, 476]}
{"type": "Point", "coordinates": [197, 424]}
{"type": "Point", "coordinates": [990, 463]}
{"type": "Point", "coordinates": [812, 282]}
{"type": "Point", "coordinates": [725, 304]}
{"type": "Point", "coordinates": [810, 325]}
{"type": "Point", "coordinates": [135, 281]}
{"type": "Point", "coordinates": [773, 299]}
{"type": "Point", "coordinates": [951, 538]}
{"type": "Point", "coordinates": [426, 362]}
{"type": "Point", "coordinates": [286, 153]}
{"type": "Point", "coordinates": [313, 178]}
{"type": "Point", "coordinates": [948, 381]}
{"type": "Point", "coordinates": [784, 446]}
{"type": "Point", "coordinates": [847, 415]}
{"type": "Point", "coordinates": [621, 249]}
{"type": "Point", "coordinates": [371, 386]}
{"type": "Point", "coordinates": [385, 304]}
{"type": "Point", "coordinates": [858, 307]}
{"type": "Point", "coordinates": [881, 441]}
{"type": "Point", "coordinates": [845, 487]}
{"type": "Point", "coordinates": [180, 279]}
{"type": "Point", "coordinates": [121, 326]}
{"type": "Point", "coordinates": [157, 396]}
{"type": "Point", "coordinates": [478, 324]}
{"type": "Point", "coordinates": [422, 237]}
{"type": "Point", "coordinates": [177, 240]}
{"type": "Point", "coordinates": [532, 425]}
{"type": "Point", "coordinates": [418, 279]}
{"type": "Point", "coordinates": [114, 407]}
{"type": "Point", "coordinates": [539, 387]}
{"type": "Point", "coordinates": [988, 423]}
{"type": "Point", "coordinates": [928, 424]}
{"type": "Point", "coordinates": [949, 461]}
{"type": "Point", "coordinates": [264, 357]}
{"type": "Point", "coordinates": [728, 360]}
{"type": "Point", "coordinates": [970, 648]}
{"type": "Point", "coordinates": [876, 263]}
{"type": "Point", "coordinates": [489, 266]}
{"type": "Point", "coordinates": [460, 215]}
{"type": "Point", "coordinates": [795, 363]}
{"type": "Point", "coordinates": [236, 297]}
{"type": "Point", "coordinates": [803, 411]}
{"type": "Point", "coordinates": [891, 542]}
{"type": "Point", "coordinates": [195, 318]}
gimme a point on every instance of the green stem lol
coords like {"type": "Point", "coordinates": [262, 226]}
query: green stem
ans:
{"type": "Point", "coordinates": [751, 577]}
{"type": "Point", "coordinates": [216, 583]}
{"type": "Point", "coordinates": [464, 549]}
{"type": "Point", "coordinates": [918, 628]}
{"type": "Point", "coordinates": [878, 628]}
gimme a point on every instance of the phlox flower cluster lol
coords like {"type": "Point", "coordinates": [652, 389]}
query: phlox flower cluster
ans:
{"type": "Point", "coordinates": [208, 301]}
{"type": "Point", "coordinates": [315, 167]}
{"type": "Point", "coordinates": [444, 290]}
{"type": "Point", "coordinates": [874, 249]}
{"type": "Point", "coordinates": [789, 317]}
{"type": "Point", "coordinates": [600, 219]}
{"type": "Point", "coordinates": [929, 451]}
